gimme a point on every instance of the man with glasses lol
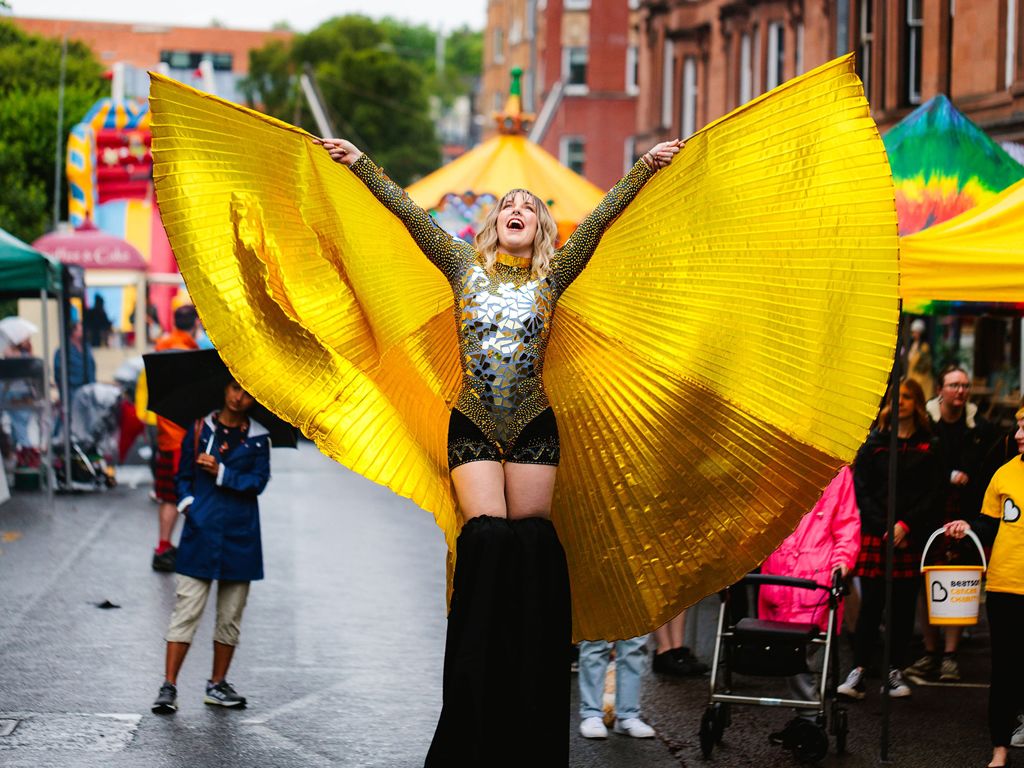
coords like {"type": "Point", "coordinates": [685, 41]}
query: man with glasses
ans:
{"type": "Point", "coordinates": [963, 439]}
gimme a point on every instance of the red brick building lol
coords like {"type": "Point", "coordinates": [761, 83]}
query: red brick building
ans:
{"type": "Point", "coordinates": [579, 62]}
{"type": "Point", "coordinates": [699, 59]}
{"type": "Point", "coordinates": [147, 46]}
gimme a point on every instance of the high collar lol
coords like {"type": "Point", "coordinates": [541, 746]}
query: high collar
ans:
{"type": "Point", "coordinates": [523, 262]}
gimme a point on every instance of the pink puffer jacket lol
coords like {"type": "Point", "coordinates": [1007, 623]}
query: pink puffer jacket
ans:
{"type": "Point", "coordinates": [827, 536]}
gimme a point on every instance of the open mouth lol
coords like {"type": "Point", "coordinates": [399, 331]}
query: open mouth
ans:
{"type": "Point", "coordinates": [515, 224]}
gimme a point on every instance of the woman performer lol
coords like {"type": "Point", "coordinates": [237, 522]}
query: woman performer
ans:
{"type": "Point", "coordinates": [509, 628]}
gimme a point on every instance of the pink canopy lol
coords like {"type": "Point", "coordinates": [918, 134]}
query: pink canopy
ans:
{"type": "Point", "coordinates": [91, 248]}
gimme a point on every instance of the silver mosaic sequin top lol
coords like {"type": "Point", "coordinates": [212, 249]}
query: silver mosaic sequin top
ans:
{"type": "Point", "coordinates": [503, 318]}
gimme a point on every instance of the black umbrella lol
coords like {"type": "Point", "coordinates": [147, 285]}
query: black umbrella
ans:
{"type": "Point", "coordinates": [185, 385]}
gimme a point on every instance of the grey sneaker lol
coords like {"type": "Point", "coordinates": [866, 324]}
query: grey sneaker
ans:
{"type": "Point", "coordinates": [950, 670]}
{"type": "Point", "coordinates": [924, 668]}
{"type": "Point", "coordinates": [167, 700]}
{"type": "Point", "coordinates": [223, 695]}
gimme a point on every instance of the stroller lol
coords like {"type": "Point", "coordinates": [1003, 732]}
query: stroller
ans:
{"type": "Point", "coordinates": [95, 420]}
{"type": "Point", "coordinates": [777, 649]}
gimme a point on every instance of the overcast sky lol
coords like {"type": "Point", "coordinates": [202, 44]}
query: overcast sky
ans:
{"type": "Point", "coordinates": [301, 15]}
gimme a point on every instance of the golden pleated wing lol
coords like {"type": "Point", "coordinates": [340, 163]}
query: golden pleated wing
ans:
{"type": "Point", "coordinates": [723, 353]}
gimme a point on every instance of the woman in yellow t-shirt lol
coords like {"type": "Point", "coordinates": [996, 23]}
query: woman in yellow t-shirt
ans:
{"type": "Point", "coordinates": [1001, 527]}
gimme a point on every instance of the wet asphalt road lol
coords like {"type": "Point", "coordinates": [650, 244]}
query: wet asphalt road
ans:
{"type": "Point", "coordinates": [341, 648]}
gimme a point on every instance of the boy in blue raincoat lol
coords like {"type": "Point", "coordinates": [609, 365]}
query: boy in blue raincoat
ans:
{"type": "Point", "coordinates": [225, 465]}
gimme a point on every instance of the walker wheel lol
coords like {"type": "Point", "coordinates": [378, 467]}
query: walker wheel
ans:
{"type": "Point", "coordinates": [840, 727]}
{"type": "Point", "coordinates": [810, 742]}
{"type": "Point", "coordinates": [710, 730]}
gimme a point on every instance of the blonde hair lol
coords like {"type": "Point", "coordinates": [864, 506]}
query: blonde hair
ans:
{"type": "Point", "coordinates": [543, 242]}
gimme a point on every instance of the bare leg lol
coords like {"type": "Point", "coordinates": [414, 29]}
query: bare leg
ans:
{"type": "Point", "coordinates": [168, 517]}
{"type": "Point", "coordinates": [670, 634]}
{"type": "Point", "coordinates": [953, 635]}
{"type": "Point", "coordinates": [528, 490]}
{"type": "Point", "coordinates": [929, 632]}
{"type": "Point", "coordinates": [480, 488]}
{"type": "Point", "coordinates": [175, 656]}
{"type": "Point", "coordinates": [222, 655]}
{"type": "Point", "coordinates": [999, 757]}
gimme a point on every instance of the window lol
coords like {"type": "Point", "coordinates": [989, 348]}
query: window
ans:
{"type": "Point", "coordinates": [499, 45]}
{"type": "Point", "coordinates": [628, 154]}
{"type": "Point", "coordinates": [633, 69]}
{"type": "Point", "coordinates": [515, 32]}
{"type": "Point", "coordinates": [499, 101]}
{"type": "Point", "coordinates": [689, 97]}
{"type": "Point", "coordinates": [776, 53]}
{"type": "Point", "coordinates": [865, 39]}
{"type": "Point", "coordinates": [755, 34]}
{"type": "Point", "coordinates": [190, 60]}
{"type": "Point", "coordinates": [842, 27]}
{"type": "Point", "coordinates": [574, 68]}
{"type": "Point", "coordinates": [1011, 43]}
{"type": "Point", "coordinates": [746, 69]}
{"type": "Point", "coordinates": [571, 153]}
{"type": "Point", "coordinates": [667, 84]}
{"type": "Point", "coordinates": [799, 48]}
{"type": "Point", "coordinates": [577, 5]}
{"type": "Point", "coordinates": [914, 29]}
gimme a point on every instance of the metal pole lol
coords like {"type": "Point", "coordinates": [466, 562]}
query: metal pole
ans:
{"type": "Point", "coordinates": [890, 525]}
{"type": "Point", "coordinates": [46, 429]}
{"type": "Point", "coordinates": [65, 404]}
{"type": "Point", "coordinates": [59, 153]}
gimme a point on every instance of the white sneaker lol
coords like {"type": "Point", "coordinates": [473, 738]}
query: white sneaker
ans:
{"type": "Point", "coordinates": [853, 686]}
{"type": "Point", "coordinates": [1017, 739]}
{"type": "Point", "coordinates": [593, 728]}
{"type": "Point", "coordinates": [635, 727]}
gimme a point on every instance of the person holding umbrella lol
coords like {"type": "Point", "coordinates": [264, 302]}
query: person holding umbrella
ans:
{"type": "Point", "coordinates": [225, 465]}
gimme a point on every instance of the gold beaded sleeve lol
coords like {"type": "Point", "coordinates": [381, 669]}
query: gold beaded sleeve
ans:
{"type": "Point", "coordinates": [445, 252]}
{"type": "Point", "coordinates": [572, 257]}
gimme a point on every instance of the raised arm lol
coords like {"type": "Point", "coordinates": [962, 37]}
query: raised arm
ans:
{"type": "Point", "coordinates": [444, 251]}
{"type": "Point", "coordinates": [574, 255]}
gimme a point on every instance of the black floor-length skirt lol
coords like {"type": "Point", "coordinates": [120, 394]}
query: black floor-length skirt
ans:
{"type": "Point", "coordinates": [506, 662]}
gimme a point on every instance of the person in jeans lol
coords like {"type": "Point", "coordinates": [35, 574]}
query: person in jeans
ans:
{"type": "Point", "coordinates": [629, 665]}
{"type": "Point", "coordinates": [225, 465]}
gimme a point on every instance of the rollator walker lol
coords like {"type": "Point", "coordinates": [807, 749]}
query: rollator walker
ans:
{"type": "Point", "coordinates": [777, 649]}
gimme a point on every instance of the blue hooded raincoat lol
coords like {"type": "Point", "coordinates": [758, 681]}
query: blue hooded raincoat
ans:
{"type": "Point", "coordinates": [221, 537]}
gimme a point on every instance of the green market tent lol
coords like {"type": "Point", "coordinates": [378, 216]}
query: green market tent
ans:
{"type": "Point", "coordinates": [27, 273]}
{"type": "Point", "coordinates": [24, 271]}
{"type": "Point", "coordinates": [943, 164]}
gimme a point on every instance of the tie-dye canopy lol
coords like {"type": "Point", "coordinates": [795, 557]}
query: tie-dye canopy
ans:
{"type": "Point", "coordinates": [943, 164]}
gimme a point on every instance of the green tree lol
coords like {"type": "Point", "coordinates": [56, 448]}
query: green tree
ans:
{"type": "Point", "coordinates": [376, 77]}
{"type": "Point", "coordinates": [29, 82]}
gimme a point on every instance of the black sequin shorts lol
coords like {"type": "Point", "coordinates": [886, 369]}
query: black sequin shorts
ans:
{"type": "Point", "coordinates": [536, 444]}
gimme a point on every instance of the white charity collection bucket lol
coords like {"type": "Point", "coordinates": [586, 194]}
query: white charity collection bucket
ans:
{"type": "Point", "coordinates": [953, 592]}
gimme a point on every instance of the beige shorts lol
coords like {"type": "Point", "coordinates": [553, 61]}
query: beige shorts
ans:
{"type": "Point", "coordinates": [192, 594]}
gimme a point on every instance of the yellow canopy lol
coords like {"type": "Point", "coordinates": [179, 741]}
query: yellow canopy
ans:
{"type": "Point", "coordinates": [977, 256]}
{"type": "Point", "coordinates": [509, 162]}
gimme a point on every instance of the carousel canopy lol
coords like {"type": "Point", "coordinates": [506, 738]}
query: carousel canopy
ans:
{"type": "Point", "coordinates": [508, 161]}
{"type": "Point", "coordinates": [943, 164]}
{"type": "Point", "coordinates": [977, 256]}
